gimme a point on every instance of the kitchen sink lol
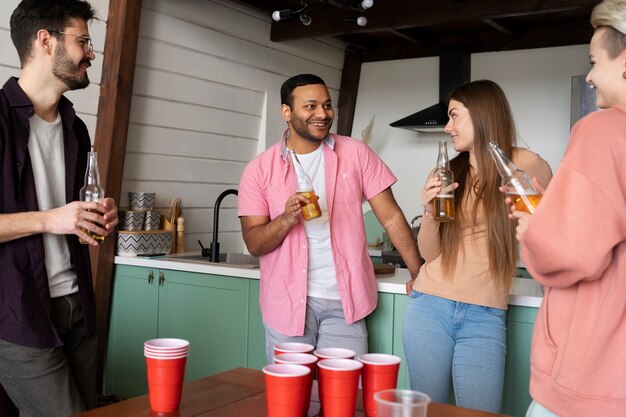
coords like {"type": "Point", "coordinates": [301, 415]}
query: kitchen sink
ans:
{"type": "Point", "coordinates": [234, 259]}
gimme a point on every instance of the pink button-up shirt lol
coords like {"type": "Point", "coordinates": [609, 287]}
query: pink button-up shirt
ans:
{"type": "Point", "coordinates": [353, 172]}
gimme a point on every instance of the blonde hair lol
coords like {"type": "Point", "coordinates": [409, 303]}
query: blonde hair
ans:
{"type": "Point", "coordinates": [493, 120]}
{"type": "Point", "coordinates": [611, 14]}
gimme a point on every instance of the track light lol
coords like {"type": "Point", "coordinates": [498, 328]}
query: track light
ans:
{"type": "Point", "coordinates": [305, 19]}
{"type": "Point", "coordinates": [279, 15]}
{"type": "Point", "coordinates": [358, 20]}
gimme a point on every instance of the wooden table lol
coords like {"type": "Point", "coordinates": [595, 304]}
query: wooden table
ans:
{"type": "Point", "coordinates": [240, 392]}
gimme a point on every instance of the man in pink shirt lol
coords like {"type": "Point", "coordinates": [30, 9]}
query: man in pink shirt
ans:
{"type": "Point", "coordinates": [317, 280]}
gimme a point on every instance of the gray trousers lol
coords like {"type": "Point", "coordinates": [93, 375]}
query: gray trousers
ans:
{"type": "Point", "coordinates": [53, 382]}
{"type": "Point", "coordinates": [325, 326]}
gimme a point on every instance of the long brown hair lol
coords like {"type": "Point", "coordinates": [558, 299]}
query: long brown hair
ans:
{"type": "Point", "coordinates": [492, 120]}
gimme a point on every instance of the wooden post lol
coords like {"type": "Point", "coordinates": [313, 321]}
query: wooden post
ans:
{"type": "Point", "coordinates": [348, 91]}
{"type": "Point", "coordinates": [116, 91]}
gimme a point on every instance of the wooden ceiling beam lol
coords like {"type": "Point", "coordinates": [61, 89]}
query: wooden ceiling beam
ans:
{"type": "Point", "coordinates": [500, 27]}
{"type": "Point", "coordinates": [398, 14]}
{"type": "Point", "coordinates": [406, 37]}
{"type": "Point", "coordinates": [540, 36]}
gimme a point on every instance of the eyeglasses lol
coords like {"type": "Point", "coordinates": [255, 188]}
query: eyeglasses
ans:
{"type": "Point", "coordinates": [84, 41]}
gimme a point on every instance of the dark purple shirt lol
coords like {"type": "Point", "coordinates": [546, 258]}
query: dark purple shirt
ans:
{"type": "Point", "coordinates": [24, 291]}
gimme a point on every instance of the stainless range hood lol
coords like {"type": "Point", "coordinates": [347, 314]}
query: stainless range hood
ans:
{"type": "Point", "coordinates": [454, 70]}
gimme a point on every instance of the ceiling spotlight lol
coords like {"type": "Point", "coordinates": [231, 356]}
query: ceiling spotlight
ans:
{"type": "Point", "coordinates": [358, 20]}
{"type": "Point", "coordinates": [346, 5]}
{"type": "Point", "coordinates": [305, 19]}
{"type": "Point", "coordinates": [279, 15]}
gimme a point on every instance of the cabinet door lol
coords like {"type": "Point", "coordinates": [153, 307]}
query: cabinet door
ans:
{"type": "Point", "coordinates": [380, 325]}
{"type": "Point", "coordinates": [520, 323]}
{"type": "Point", "coordinates": [399, 310]}
{"type": "Point", "coordinates": [256, 330]}
{"type": "Point", "coordinates": [384, 328]}
{"type": "Point", "coordinates": [212, 313]}
{"type": "Point", "coordinates": [133, 321]}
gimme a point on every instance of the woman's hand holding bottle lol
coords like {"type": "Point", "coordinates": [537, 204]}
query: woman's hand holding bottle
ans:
{"type": "Point", "coordinates": [431, 189]}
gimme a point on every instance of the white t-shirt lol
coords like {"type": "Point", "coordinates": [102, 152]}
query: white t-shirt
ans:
{"type": "Point", "coordinates": [322, 279]}
{"type": "Point", "coordinates": [45, 145]}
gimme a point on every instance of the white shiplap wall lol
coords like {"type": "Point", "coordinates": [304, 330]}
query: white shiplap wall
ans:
{"type": "Point", "coordinates": [206, 101]}
{"type": "Point", "coordinates": [85, 101]}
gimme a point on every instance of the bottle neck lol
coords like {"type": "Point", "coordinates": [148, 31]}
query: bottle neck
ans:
{"type": "Point", "coordinates": [442, 159]}
{"type": "Point", "coordinates": [92, 176]}
{"type": "Point", "coordinates": [505, 167]}
{"type": "Point", "coordinates": [304, 181]}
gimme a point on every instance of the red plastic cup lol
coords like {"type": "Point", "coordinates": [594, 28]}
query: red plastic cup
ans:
{"type": "Point", "coordinates": [165, 383]}
{"type": "Point", "coordinates": [307, 360]}
{"type": "Point", "coordinates": [285, 389]}
{"type": "Point", "coordinates": [334, 353]}
{"type": "Point", "coordinates": [380, 372]}
{"type": "Point", "coordinates": [292, 347]}
{"type": "Point", "coordinates": [338, 381]}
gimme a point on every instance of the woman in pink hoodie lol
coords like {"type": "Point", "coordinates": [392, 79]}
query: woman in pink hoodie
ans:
{"type": "Point", "coordinates": [575, 246]}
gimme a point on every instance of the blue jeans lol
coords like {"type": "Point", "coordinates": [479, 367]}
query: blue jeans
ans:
{"type": "Point", "coordinates": [325, 326]}
{"type": "Point", "coordinates": [445, 341]}
{"type": "Point", "coordinates": [53, 382]}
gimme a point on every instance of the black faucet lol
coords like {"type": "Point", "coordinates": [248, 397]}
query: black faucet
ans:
{"type": "Point", "coordinates": [214, 250]}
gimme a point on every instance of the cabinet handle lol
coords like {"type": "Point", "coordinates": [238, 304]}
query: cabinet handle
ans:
{"type": "Point", "coordinates": [150, 277]}
{"type": "Point", "coordinates": [161, 278]}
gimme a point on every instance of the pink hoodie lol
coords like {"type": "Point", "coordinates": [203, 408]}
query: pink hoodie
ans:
{"type": "Point", "coordinates": [575, 245]}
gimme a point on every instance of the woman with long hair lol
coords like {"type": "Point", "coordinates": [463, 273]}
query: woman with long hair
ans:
{"type": "Point", "coordinates": [575, 246]}
{"type": "Point", "coordinates": [455, 326]}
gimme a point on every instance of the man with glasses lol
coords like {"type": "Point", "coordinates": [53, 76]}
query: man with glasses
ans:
{"type": "Point", "coordinates": [47, 304]}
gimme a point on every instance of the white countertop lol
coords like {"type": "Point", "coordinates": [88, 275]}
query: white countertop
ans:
{"type": "Point", "coordinates": [526, 292]}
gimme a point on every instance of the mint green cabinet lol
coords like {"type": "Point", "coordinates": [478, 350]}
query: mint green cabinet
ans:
{"type": "Point", "coordinates": [210, 311]}
{"type": "Point", "coordinates": [134, 310]}
{"type": "Point", "coordinates": [384, 327]}
{"type": "Point", "coordinates": [256, 330]}
{"type": "Point", "coordinates": [520, 323]}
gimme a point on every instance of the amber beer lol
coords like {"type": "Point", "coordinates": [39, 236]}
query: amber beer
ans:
{"type": "Point", "coordinates": [311, 209]}
{"type": "Point", "coordinates": [98, 238]}
{"type": "Point", "coordinates": [443, 207]}
{"type": "Point", "coordinates": [521, 202]}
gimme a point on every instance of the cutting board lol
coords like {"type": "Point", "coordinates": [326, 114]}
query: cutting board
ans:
{"type": "Point", "coordinates": [384, 269]}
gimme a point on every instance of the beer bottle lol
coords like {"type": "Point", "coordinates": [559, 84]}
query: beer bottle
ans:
{"type": "Point", "coordinates": [516, 183]}
{"type": "Point", "coordinates": [92, 190]}
{"type": "Point", "coordinates": [311, 209]}
{"type": "Point", "coordinates": [443, 204]}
